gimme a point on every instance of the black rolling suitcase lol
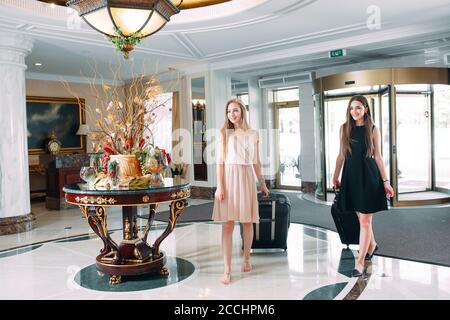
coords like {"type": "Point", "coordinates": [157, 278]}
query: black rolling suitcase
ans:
{"type": "Point", "coordinates": [274, 219]}
{"type": "Point", "coordinates": [347, 223]}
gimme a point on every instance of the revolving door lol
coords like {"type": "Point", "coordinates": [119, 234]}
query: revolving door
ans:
{"type": "Point", "coordinates": [411, 107]}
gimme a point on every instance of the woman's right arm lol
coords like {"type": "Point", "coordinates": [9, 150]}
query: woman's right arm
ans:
{"type": "Point", "coordinates": [339, 161]}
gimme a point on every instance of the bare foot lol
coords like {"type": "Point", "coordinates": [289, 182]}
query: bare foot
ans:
{"type": "Point", "coordinates": [226, 278]}
{"type": "Point", "coordinates": [246, 266]}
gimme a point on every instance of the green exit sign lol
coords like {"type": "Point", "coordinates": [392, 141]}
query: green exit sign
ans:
{"type": "Point", "coordinates": [337, 53]}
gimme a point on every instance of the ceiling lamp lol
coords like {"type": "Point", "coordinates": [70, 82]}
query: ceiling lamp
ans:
{"type": "Point", "coordinates": [126, 22]}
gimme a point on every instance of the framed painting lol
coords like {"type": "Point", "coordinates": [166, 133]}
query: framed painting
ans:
{"type": "Point", "coordinates": [61, 115]}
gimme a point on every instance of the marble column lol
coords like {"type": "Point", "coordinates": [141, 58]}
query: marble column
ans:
{"type": "Point", "coordinates": [15, 208]}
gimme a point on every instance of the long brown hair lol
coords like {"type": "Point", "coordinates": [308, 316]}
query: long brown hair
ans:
{"type": "Point", "coordinates": [229, 125]}
{"type": "Point", "coordinates": [350, 124]}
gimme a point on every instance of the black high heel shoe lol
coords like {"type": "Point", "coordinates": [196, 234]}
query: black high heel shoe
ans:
{"type": "Point", "coordinates": [357, 273]}
{"type": "Point", "coordinates": [368, 257]}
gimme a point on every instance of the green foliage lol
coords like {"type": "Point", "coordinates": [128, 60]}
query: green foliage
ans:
{"type": "Point", "coordinates": [123, 43]}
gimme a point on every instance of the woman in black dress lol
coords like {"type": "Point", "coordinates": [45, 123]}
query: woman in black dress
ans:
{"type": "Point", "coordinates": [364, 184]}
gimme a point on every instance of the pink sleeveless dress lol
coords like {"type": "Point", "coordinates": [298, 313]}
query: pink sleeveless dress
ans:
{"type": "Point", "coordinates": [240, 203]}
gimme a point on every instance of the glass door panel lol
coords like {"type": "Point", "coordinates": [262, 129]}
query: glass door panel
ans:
{"type": "Point", "coordinates": [441, 116]}
{"type": "Point", "coordinates": [385, 130]}
{"type": "Point", "coordinates": [335, 114]}
{"type": "Point", "coordinates": [289, 143]}
{"type": "Point", "coordinates": [413, 142]}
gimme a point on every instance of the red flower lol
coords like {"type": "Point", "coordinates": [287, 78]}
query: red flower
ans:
{"type": "Point", "coordinates": [141, 143]}
{"type": "Point", "coordinates": [108, 149]}
{"type": "Point", "coordinates": [128, 143]}
{"type": "Point", "coordinates": [105, 159]}
{"type": "Point", "coordinates": [169, 159]}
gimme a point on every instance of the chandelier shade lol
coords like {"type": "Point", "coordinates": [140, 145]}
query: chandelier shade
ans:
{"type": "Point", "coordinates": [142, 17]}
{"type": "Point", "coordinates": [126, 22]}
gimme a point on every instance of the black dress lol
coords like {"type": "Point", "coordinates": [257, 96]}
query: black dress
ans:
{"type": "Point", "coordinates": [362, 188]}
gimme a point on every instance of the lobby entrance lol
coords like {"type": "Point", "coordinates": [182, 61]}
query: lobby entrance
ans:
{"type": "Point", "coordinates": [413, 115]}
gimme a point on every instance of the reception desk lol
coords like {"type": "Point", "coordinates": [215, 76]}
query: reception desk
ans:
{"type": "Point", "coordinates": [64, 169]}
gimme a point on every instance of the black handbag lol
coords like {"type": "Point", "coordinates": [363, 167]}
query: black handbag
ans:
{"type": "Point", "coordinates": [347, 223]}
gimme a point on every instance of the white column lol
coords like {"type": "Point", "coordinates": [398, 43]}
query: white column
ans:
{"type": "Point", "coordinates": [14, 176]}
{"type": "Point", "coordinates": [307, 153]}
{"type": "Point", "coordinates": [218, 92]}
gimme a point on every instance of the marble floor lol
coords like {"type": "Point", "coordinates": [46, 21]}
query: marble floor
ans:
{"type": "Point", "coordinates": [56, 261]}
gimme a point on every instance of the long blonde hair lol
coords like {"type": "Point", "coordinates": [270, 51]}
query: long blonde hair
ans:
{"type": "Point", "coordinates": [350, 124]}
{"type": "Point", "coordinates": [229, 125]}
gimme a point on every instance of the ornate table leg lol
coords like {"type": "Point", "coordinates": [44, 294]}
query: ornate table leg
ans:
{"type": "Point", "coordinates": [96, 217]}
{"type": "Point", "coordinates": [151, 218]}
{"type": "Point", "coordinates": [115, 279]}
{"type": "Point", "coordinates": [176, 209]}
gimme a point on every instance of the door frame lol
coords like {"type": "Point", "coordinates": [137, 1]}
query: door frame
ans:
{"type": "Point", "coordinates": [277, 106]}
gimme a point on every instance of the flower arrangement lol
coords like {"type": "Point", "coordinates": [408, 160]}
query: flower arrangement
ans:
{"type": "Point", "coordinates": [156, 164]}
{"type": "Point", "coordinates": [157, 161]}
{"type": "Point", "coordinates": [125, 119]}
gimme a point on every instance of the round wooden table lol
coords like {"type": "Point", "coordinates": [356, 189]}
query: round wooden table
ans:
{"type": "Point", "coordinates": [133, 255]}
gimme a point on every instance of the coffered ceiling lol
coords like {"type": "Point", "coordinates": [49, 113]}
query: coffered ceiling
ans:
{"type": "Point", "coordinates": [250, 37]}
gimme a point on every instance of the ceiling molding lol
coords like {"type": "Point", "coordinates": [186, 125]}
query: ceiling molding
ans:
{"type": "Point", "coordinates": [70, 79]}
{"type": "Point", "coordinates": [325, 46]}
{"type": "Point", "coordinates": [290, 9]}
{"type": "Point", "coordinates": [185, 42]}
{"type": "Point", "coordinates": [36, 31]}
{"type": "Point", "coordinates": [288, 41]}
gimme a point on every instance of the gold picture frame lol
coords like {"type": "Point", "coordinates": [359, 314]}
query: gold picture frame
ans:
{"type": "Point", "coordinates": [61, 115]}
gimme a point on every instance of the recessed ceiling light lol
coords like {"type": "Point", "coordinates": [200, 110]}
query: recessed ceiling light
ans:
{"type": "Point", "coordinates": [38, 64]}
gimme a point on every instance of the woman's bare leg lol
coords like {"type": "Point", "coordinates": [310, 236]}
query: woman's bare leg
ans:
{"type": "Point", "coordinates": [248, 239]}
{"type": "Point", "coordinates": [373, 243]}
{"type": "Point", "coordinates": [227, 246]}
{"type": "Point", "coordinates": [365, 238]}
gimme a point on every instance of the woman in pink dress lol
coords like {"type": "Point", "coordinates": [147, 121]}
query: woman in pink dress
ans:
{"type": "Point", "coordinates": [236, 197]}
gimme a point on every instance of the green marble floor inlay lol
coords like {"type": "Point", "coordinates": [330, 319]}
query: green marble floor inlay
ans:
{"type": "Point", "coordinates": [19, 251]}
{"type": "Point", "coordinates": [328, 292]}
{"type": "Point", "coordinates": [179, 269]}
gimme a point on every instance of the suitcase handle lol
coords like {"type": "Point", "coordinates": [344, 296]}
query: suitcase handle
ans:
{"type": "Point", "coordinates": [266, 220]}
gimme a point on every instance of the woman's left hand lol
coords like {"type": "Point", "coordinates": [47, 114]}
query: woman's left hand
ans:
{"type": "Point", "coordinates": [388, 189]}
{"type": "Point", "coordinates": [265, 191]}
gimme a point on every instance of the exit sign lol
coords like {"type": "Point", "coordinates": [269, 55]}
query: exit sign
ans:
{"type": "Point", "coordinates": [337, 53]}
